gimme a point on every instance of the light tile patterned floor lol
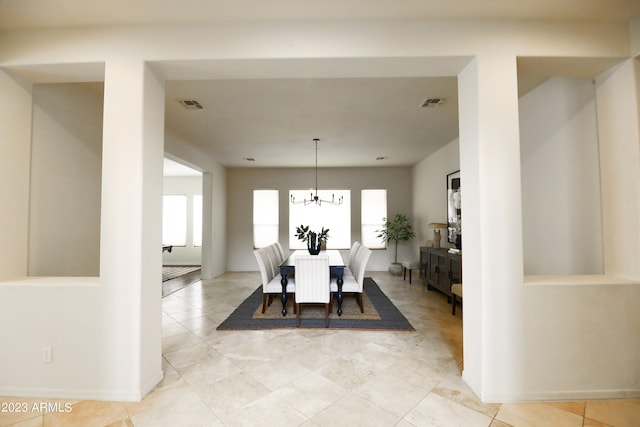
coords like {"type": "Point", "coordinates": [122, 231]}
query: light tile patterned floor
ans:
{"type": "Point", "coordinates": [318, 377]}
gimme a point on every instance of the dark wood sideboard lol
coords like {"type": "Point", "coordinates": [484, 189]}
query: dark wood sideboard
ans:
{"type": "Point", "coordinates": [440, 269]}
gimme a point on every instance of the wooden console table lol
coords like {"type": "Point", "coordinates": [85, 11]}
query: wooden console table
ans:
{"type": "Point", "coordinates": [440, 269]}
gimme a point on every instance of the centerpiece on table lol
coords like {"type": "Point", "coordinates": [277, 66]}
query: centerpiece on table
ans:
{"type": "Point", "coordinates": [314, 239]}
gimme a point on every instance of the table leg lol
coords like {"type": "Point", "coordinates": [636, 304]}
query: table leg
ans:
{"type": "Point", "coordinates": [283, 281]}
{"type": "Point", "coordinates": [339, 282]}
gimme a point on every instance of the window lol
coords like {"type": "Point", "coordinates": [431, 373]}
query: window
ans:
{"type": "Point", "coordinates": [174, 220]}
{"type": "Point", "coordinates": [336, 218]}
{"type": "Point", "coordinates": [197, 220]}
{"type": "Point", "coordinates": [265, 217]}
{"type": "Point", "coordinates": [374, 210]}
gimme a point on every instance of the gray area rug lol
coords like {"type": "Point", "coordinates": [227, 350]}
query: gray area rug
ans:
{"type": "Point", "coordinates": [176, 278]}
{"type": "Point", "coordinates": [379, 313]}
{"type": "Point", "coordinates": [171, 272]}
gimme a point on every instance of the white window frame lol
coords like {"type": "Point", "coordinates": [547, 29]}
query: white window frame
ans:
{"type": "Point", "coordinates": [337, 218]}
{"type": "Point", "coordinates": [174, 219]}
{"type": "Point", "coordinates": [196, 227]}
{"type": "Point", "coordinates": [266, 213]}
{"type": "Point", "coordinates": [373, 211]}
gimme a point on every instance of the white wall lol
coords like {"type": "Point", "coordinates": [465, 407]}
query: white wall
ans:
{"type": "Point", "coordinates": [561, 206]}
{"type": "Point", "coordinates": [188, 186]}
{"type": "Point", "coordinates": [242, 182]}
{"type": "Point", "coordinates": [15, 152]}
{"type": "Point", "coordinates": [635, 36]}
{"type": "Point", "coordinates": [491, 225]}
{"type": "Point", "coordinates": [64, 215]}
{"type": "Point", "coordinates": [494, 316]}
{"type": "Point", "coordinates": [581, 339]}
{"type": "Point", "coordinates": [581, 330]}
{"type": "Point", "coordinates": [95, 325]}
{"type": "Point", "coordinates": [214, 199]}
{"type": "Point", "coordinates": [430, 192]}
{"type": "Point", "coordinates": [618, 94]}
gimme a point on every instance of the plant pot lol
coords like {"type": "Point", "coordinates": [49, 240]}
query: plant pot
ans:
{"type": "Point", "coordinates": [314, 249]}
{"type": "Point", "coordinates": [395, 268]}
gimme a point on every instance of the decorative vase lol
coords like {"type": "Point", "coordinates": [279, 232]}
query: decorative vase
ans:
{"type": "Point", "coordinates": [314, 248]}
{"type": "Point", "coordinates": [395, 268]}
{"type": "Point", "coordinates": [436, 238]}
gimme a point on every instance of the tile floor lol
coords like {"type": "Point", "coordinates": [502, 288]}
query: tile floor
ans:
{"type": "Point", "coordinates": [317, 377]}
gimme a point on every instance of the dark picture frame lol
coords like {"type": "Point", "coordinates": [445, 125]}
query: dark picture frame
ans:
{"type": "Point", "coordinates": [454, 209]}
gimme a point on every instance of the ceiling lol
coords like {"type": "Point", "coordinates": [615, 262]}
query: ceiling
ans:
{"type": "Point", "coordinates": [19, 14]}
{"type": "Point", "coordinates": [274, 121]}
{"type": "Point", "coordinates": [359, 116]}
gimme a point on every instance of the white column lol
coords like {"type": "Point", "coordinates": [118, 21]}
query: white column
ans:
{"type": "Point", "coordinates": [618, 95]}
{"type": "Point", "coordinates": [15, 149]}
{"type": "Point", "coordinates": [492, 226]}
{"type": "Point", "coordinates": [207, 226]}
{"type": "Point", "coordinates": [130, 251]}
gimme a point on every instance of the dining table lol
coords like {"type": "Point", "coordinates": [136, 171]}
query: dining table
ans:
{"type": "Point", "coordinates": [336, 267]}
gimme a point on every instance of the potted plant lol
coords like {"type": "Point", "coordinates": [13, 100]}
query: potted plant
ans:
{"type": "Point", "coordinates": [398, 230]}
{"type": "Point", "coordinates": [314, 239]}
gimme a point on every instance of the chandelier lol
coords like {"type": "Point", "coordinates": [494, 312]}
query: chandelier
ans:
{"type": "Point", "coordinates": [314, 198]}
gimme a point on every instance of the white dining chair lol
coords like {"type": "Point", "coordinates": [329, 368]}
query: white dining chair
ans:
{"type": "Point", "coordinates": [353, 254]}
{"type": "Point", "coordinates": [353, 279]}
{"type": "Point", "coordinates": [274, 256]}
{"type": "Point", "coordinates": [312, 283]}
{"type": "Point", "coordinates": [270, 283]}
{"type": "Point", "coordinates": [280, 249]}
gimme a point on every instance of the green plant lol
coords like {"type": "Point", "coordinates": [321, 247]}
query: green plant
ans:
{"type": "Point", "coordinates": [398, 230]}
{"type": "Point", "coordinates": [312, 238]}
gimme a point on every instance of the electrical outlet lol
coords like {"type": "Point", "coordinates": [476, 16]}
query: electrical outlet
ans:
{"type": "Point", "coordinates": [47, 354]}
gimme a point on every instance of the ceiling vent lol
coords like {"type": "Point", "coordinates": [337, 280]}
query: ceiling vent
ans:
{"type": "Point", "coordinates": [433, 102]}
{"type": "Point", "coordinates": [190, 104]}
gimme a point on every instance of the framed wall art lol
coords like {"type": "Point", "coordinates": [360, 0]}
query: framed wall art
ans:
{"type": "Point", "coordinates": [454, 209]}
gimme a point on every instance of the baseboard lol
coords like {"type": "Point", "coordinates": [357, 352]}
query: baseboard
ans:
{"type": "Point", "coordinates": [151, 384]}
{"type": "Point", "coordinates": [83, 394]}
{"type": "Point", "coordinates": [559, 396]}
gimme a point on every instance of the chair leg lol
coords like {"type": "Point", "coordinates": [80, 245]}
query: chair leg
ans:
{"type": "Point", "coordinates": [453, 304]}
{"type": "Point", "coordinates": [326, 315]}
{"type": "Point", "coordinates": [297, 308]}
{"type": "Point", "coordinates": [360, 302]}
{"type": "Point", "coordinates": [410, 276]}
{"type": "Point", "coordinates": [404, 274]}
{"type": "Point", "coordinates": [264, 302]}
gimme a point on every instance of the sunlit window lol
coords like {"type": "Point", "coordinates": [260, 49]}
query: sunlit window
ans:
{"type": "Point", "coordinates": [336, 218]}
{"type": "Point", "coordinates": [174, 220]}
{"type": "Point", "coordinates": [197, 220]}
{"type": "Point", "coordinates": [265, 217]}
{"type": "Point", "coordinates": [374, 210]}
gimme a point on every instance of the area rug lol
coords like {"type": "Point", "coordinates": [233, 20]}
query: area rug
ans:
{"type": "Point", "coordinates": [176, 278]}
{"type": "Point", "coordinates": [171, 272]}
{"type": "Point", "coordinates": [379, 313]}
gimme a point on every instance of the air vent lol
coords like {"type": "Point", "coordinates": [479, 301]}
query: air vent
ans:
{"type": "Point", "coordinates": [190, 104]}
{"type": "Point", "coordinates": [433, 102]}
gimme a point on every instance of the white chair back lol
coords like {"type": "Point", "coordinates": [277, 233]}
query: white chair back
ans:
{"type": "Point", "coordinates": [362, 258]}
{"type": "Point", "coordinates": [280, 249]}
{"type": "Point", "coordinates": [274, 257]}
{"type": "Point", "coordinates": [312, 279]}
{"type": "Point", "coordinates": [266, 272]}
{"type": "Point", "coordinates": [353, 254]}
